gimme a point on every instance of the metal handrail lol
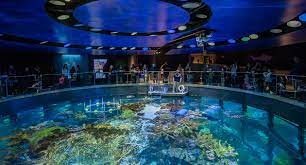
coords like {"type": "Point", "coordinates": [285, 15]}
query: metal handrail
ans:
{"type": "Point", "coordinates": [8, 86]}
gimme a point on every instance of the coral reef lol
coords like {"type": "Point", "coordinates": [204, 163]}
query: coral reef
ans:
{"type": "Point", "coordinates": [136, 107]}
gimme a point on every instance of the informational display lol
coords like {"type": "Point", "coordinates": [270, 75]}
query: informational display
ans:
{"type": "Point", "coordinates": [98, 67]}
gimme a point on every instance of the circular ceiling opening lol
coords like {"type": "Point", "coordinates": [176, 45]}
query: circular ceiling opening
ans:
{"type": "Point", "coordinates": [131, 15]}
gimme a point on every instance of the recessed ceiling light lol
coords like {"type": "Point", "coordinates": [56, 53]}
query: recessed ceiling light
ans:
{"type": "Point", "coordinates": [58, 3]}
{"type": "Point", "coordinates": [211, 44]}
{"type": "Point", "coordinates": [303, 17]}
{"type": "Point", "coordinates": [152, 35]}
{"type": "Point", "coordinates": [171, 31]}
{"type": "Point", "coordinates": [66, 45]}
{"type": "Point", "coordinates": [145, 49]}
{"type": "Point", "coordinates": [179, 46]}
{"type": "Point", "coordinates": [100, 47]}
{"type": "Point", "coordinates": [43, 42]}
{"type": "Point", "coordinates": [112, 48]}
{"type": "Point", "coordinates": [88, 48]}
{"type": "Point", "coordinates": [182, 28]}
{"type": "Point", "coordinates": [63, 17]}
{"type": "Point", "coordinates": [67, 0]}
{"type": "Point", "coordinates": [202, 16]}
{"type": "Point", "coordinates": [254, 36]}
{"type": "Point", "coordinates": [231, 41]}
{"type": "Point", "coordinates": [276, 31]}
{"type": "Point", "coordinates": [124, 48]}
{"type": "Point", "coordinates": [294, 24]}
{"type": "Point", "coordinates": [113, 33]}
{"type": "Point", "coordinates": [133, 48]}
{"type": "Point", "coordinates": [95, 30]}
{"type": "Point", "coordinates": [245, 39]}
{"type": "Point", "coordinates": [192, 46]}
{"type": "Point", "coordinates": [134, 33]}
{"type": "Point", "coordinates": [191, 5]}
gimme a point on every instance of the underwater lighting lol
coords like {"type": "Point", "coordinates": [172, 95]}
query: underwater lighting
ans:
{"type": "Point", "coordinates": [276, 31]}
{"type": "Point", "coordinates": [191, 5]}
{"type": "Point", "coordinates": [182, 28]}
{"type": "Point", "coordinates": [231, 41]}
{"type": "Point", "coordinates": [294, 24]}
{"type": "Point", "coordinates": [66, 45]}
{"type": "Point", "coordinates": [303, 17]}
{"type": "Point", "coordinates": [245, 39]}
{"type": "Point", "coordinates": [58, 3]}
{"type": "Point", "coordinates": [253, 36]}
{"type": "Point", "coordinates": [179, 46]}
{"type": "Point", "coordinates": [63, 17]}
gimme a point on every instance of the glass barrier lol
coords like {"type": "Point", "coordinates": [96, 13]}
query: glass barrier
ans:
{"type": "Point", "coordinates": [289, 86]}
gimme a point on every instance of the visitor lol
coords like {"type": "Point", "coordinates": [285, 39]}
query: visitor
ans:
{"type": "Point", "coordinates": [73, 73]}
{"type": "Point", "coordinates": [177, 79]}
{"type": "Point", "coordinates": [120, 74]}
{"type": "Point", "coordinates": [189, 73]}
{"type": "Point", "coordinates": [162, 70]}
{"type": "Point", "coordinates": [267, 80]}
{"type": "Point", "coordinates": [233, 70]}
{"type": "Point", "coordinates": [111, 74]}
{"type": "Point", "coordinates": [154, 73]}
{"type": "Point", "coordinates": [65, 73]}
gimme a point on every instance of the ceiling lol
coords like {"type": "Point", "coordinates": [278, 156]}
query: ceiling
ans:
{"type": "Point", "coordinates": [35, 28]}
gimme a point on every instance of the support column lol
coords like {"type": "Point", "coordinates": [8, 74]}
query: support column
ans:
{"type": "Point", "coordinates": [301, 137]}
{"type": "Point", "coordinates": [270, 120]}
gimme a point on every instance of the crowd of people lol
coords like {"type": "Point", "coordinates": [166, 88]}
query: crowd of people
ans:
{"type": "Point", "coordinates": [252, 76]}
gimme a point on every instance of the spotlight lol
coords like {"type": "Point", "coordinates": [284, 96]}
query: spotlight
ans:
{"type": "Point", "coordinates": [43, 42]}
{"type": "Point", "coordinates": [253, 36]}
{"type": "Point", "coordinates": [191, 5]}
{"type": "Point", "coordinates": [245, 39]}
{"type": "Point", "coordinates": [231, 41]}
{"type": "Point", "coordinates": [57, 3]}
{"type": "Point", "coordinates": [67, 45]}
{"type": "Point", "coordinates": [179, 46]}
{"type": "Point", "coordinates": [294, 24]}
{"type": "Point", "coordinates": [134, 33]}
{"type": "Point", "coordinates": [182, 28]}
{"type": "Point", "coordinates": [211, 44]}
{"type": "Point", "coordinates": [63, 17]}
{"type": "Point", "coordinates": [276, 31]}
{"type": "Point", "coordinates": [303, 17]}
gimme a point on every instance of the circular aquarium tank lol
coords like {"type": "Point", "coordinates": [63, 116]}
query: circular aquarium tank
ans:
{"type": "Point", "coordinates": [141, 129]}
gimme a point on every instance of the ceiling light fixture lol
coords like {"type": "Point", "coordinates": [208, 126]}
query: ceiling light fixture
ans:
{"type": "Point", "coordinates": [294, 24]}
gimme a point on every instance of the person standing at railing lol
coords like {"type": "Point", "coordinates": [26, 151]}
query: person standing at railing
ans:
{"type": "Point", "coordinates": [188, 73]}
{"type": "Point", "coordinates": [267, 80]}
{"type": "Point", "coordinates": [177, 79]}
{"type": "Point", "coordinates": [65, 73]}
{"type": "Point", "coordinates": [233, 70]}
{"type": "Point", "coordinates": [120, 74]}
{"type": "Point", "coordinates": [78, 73]}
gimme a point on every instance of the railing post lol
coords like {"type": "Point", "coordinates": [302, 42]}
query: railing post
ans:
{"type": "Point", "coordinates": [6, 86]}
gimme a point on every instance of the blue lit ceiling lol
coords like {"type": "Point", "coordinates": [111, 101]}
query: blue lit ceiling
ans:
{"type": "Point", "coordinates": [231, 19]}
